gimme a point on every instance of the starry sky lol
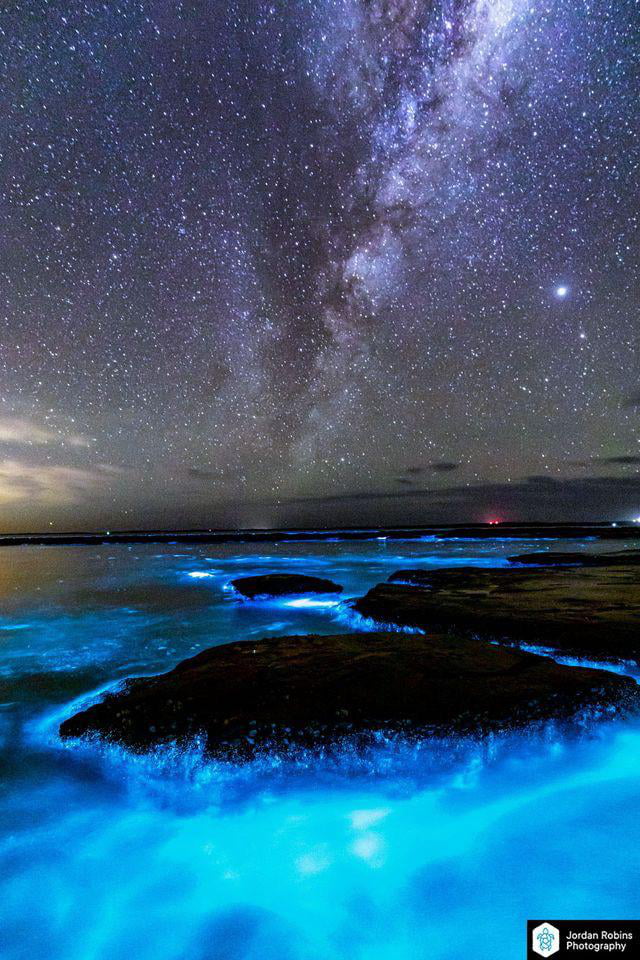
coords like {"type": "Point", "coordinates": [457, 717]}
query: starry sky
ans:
{"type": "Point", "coordinates": [318, 262]}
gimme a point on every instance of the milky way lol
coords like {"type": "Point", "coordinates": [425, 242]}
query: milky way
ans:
{"type": "Point", "coordinates": [316, 262]}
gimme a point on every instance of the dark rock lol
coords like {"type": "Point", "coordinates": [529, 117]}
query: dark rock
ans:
{"type": "Point", "coordinates": [585, 610]}
{"type": "Point", "coordinates": [283, 584]}
{"type": "Point", "coordinates": [626, 558]}
{"type": "Point", "coordinates": [418, 577]}
{"type": "Point", "coordinates": [310, 690]}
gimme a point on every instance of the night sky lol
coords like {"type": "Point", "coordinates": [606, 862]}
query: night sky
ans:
{"type": "Point", "coordinates": [318, 262]}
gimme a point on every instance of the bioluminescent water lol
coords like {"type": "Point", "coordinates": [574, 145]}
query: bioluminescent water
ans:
{"type": "Point", "coordinates": [438, 849]}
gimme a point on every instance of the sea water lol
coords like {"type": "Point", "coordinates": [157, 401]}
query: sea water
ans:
{"type": "Point", "coordinates": [437, 849]}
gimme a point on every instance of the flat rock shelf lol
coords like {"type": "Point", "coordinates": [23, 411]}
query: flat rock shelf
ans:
{"type": "Point", "coordinates": [547, 558]}
{"type": "Point", "coordinates": [585, 610]}
{"type": "Point", "coordinates": [310, 690]}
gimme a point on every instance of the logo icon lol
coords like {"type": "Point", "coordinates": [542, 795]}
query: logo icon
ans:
{"type": "Point", "coordinates": [545, 940]}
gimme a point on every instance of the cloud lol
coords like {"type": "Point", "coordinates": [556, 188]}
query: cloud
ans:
{"type": "Point", "coordinates": [444, 466]}
{"type": "Point", "coordinates": [622, 460]}
{"type": "Point", "coordinates": [625, 461]}
{"type": "Point", "coordinates": [541, 480]}
{"type": "Point", "coordinates": [532, 498]}
{"type": "Point", "coordinates": [16, 430]}
{"type": "Point", "coordinates": [50, 484]}
{"type": "Point", "coordinates": [632, 401]}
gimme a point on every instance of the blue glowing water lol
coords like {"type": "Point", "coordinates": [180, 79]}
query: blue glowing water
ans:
{"type": "Point", "coordinates": [438, 849]}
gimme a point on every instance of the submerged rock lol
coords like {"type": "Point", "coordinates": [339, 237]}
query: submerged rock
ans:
{"type": "Point", "coordinates": [310, 690]}
{"type": "Point", "coordinates": [282, 585]}
{"type": "Point", "coordinates": [625, 558]}
{"type": "Point", "coordinates": [582, 609]}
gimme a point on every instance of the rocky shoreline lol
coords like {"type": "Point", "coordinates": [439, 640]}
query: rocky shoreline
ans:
{"type": "Point", "coordinates": [462, 673]}
{"type": "Point", "coordinates": [460, 531]}
{"type": "Point", "coordinates": [589, 611]}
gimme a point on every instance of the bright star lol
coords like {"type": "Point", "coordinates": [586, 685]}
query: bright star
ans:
{"type": "Point", "coordinates": [562, 291]}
